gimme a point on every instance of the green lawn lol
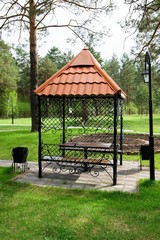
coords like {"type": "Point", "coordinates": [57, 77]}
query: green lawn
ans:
{"type": "Point", "coordinates": [25, 121]}
{"type": "Point", "coordinates": [18, 138]}
{"type": "Point", "coordinates": [138, 123]}
{"type": "Point", "coordinates": [49, 213]}
{"type": "Point", "coordinates": [19, 135]}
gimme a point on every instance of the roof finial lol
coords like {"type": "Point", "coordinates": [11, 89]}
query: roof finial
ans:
{"type": "Point", "coordinates": [85, 46]}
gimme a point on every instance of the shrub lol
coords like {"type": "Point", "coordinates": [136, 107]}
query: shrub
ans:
{"type": "Point", "coordinates": [24, 108]}
{"type": "Point", "coordinates": [131, 108]}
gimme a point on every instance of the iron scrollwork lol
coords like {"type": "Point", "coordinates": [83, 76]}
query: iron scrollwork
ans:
{"type": "Point", "coordinates": [77, 168]}
{"type": "Point", "coordinates": [77, 120]}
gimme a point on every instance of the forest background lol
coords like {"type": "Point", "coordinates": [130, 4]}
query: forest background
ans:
{"type": "Point", "coordinates": [15, 79]}
{"type": "Point", "coordinates": [22, 71]}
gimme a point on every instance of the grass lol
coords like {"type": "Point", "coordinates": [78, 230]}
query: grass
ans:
{"type": "Point", "coordinates": [19, 135]}
{"type": "Point", "coordinates": [135, 123]}
{"type": "Point", "coordinates": [18, 138]}
{"type": "Point", "coordinates": [49, 213]}
{"type": "Point", "coordinates": [21, 121]}
{"type": "Point", "coordinates": [138, 123]}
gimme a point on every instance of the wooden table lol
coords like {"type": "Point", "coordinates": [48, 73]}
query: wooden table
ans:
{"type": "Point", "coordinates": [86, 146]}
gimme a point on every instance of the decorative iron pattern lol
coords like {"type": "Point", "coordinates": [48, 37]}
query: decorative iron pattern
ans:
{"type": "Point", "coordinates": [77, 120]}
{"type": "Point", "coordinates": [51, 114]}
{"type": "Point", "coordinates": [74, 168]}
{"type": "Point", "coordinates": [60, 166]}
{"type": "Point", "coordinates": [88, 116]}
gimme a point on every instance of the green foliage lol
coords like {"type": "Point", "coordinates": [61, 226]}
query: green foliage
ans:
{"type": "Point", "coordinates": [125, 72]}
{"type": "Point", "coordinates": [23, 63]}
{"type": "Point", "coordinates": [52, 62]}
{"type": "Point", "coordinates": [131, 108]}
{"type": "Point", "coordinates": [24, 108]}
{"type": "Point", "coordinates": [141, 98]}
{"type": "Point", "coordinates": [12, 106]}
{"type": "Point", "coordinates": [112, 67]}
{"type": "Point", "coordinates": [156, 87]}
{"type": "Point", "coordinates": [8, 81]}
{"type": "Point", "coordinates": [58, 58]}
{"type": "Point", "coordinates": [46, 69]}
{"type": "Point", "coordinates": [127, 77]}
{"type": "Point", "coordinates": [97, 55]}
{"type": "Point", "coordinates": [144, 17]}
{"type": "Point", "coordinates": [149, 25]}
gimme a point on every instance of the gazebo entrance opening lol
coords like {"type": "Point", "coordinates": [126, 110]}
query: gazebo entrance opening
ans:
{"type": "Point", "coordinates": [80, 134]}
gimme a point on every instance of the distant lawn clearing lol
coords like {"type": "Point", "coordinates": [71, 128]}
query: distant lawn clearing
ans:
{"type": "Point", "coordinates": [138, 123]}
{"type": "Point", "coordinates": [134, 123]}
{"type": "Point", "coordinates": [19, 135]}
{"type": "Point", "coordinates": [16, 121]}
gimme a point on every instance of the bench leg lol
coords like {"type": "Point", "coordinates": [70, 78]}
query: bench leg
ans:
{"type": "Point", "coordinates": [85, 167]}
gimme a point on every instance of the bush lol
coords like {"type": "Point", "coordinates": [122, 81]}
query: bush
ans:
{"type": "Point", "coordinates": [131, 108]}
{"type": "Point", "coordinates": [24, 109]}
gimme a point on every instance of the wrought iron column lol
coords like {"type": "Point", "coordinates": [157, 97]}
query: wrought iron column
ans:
{"type": "Point", "coordinates": [115, 141]}
{"type": "Point", "coordinates": [39, 138]}
{"type": "Point", "coordinates": [63, 123]}
{"type": "Point", "coordinates": [121, 131]}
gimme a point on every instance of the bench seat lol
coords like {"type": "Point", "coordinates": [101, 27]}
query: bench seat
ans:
{"type": "Point", "coordinates": [77, 160]}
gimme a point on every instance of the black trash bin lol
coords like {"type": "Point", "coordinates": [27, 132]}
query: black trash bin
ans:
{"type": "Point", "coordinates": [20, 158]}
{"type": "Point", "coordinates": [144, 153]}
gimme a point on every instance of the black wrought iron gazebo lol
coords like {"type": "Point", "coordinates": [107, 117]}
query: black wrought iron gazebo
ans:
{"type": "Point", "coordinates": [80, 119]}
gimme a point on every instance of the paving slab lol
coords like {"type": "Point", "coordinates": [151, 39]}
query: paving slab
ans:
{"type": "Point", "coordinates": [128, 176]}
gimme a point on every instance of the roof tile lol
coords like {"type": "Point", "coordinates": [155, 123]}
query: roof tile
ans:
{"type": "Point", "coordinates": [81, 76]}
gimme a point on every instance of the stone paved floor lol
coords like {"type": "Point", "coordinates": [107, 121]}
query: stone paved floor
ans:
{"type": "Point", "coordinates": [128, 176]}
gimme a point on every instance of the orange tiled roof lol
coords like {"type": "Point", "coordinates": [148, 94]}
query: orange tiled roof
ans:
{"type": "Point", "coordinates": [82, 76]}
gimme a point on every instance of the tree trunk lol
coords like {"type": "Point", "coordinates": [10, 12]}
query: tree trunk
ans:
{"type": "Point", "coordinates": [33, 66]}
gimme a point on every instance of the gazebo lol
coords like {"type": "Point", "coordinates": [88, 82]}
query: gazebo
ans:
{"type": "Point", "coordinates": [80, 119]}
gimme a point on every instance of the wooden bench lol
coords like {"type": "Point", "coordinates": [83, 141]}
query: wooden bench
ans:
{"type": "Point", "coordinates": [92, 163]}
{"type": "Point", "coordinates": [87, 147]}
{"type": "Point", "coordinates": [77, 165]}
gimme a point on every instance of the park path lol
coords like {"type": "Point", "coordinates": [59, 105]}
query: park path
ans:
{"type": "Point", "coordinates": [128, 176]}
